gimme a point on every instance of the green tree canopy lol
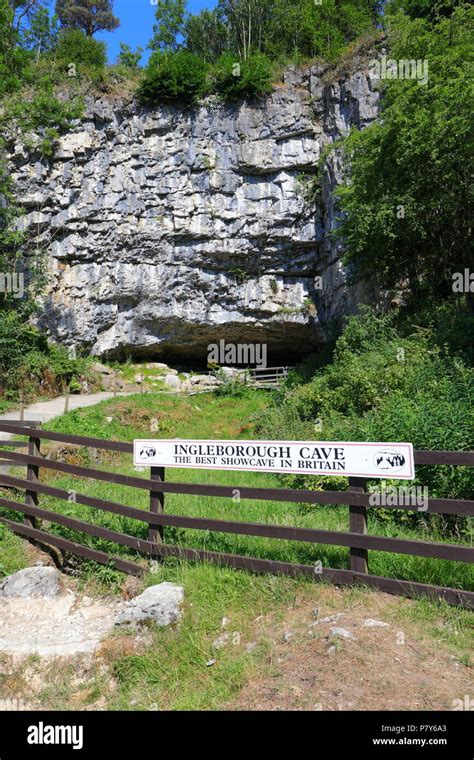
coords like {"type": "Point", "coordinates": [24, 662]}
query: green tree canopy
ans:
{"type": "Point", "coordinates": [206, 34]}
{"type": "Point", "coordinates": [90, 16]}
{"type": "Point", "coordinates": [170, 15]}
{"type": "Point", "coordinates": [406, 220]}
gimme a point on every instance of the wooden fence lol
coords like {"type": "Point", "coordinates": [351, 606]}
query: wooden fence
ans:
{"type": "Point", "coordinates": [357, 540]}
{"type": "Point", "coordinates": [267, 377]}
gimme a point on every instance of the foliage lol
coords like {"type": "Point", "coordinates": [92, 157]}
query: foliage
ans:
{"type": "Point", "coordinates": [427, 9]}
{"type": "Point", "coordinates": [173, 76]}
{"type": "Point", "coordinates": [128, 58]}
{"type": "Point", "coordinates": [274, 27]}
{"type": "Point", "coordinates": [90, 16]}
{"type": "Point", "coordinates": [246, 78]}
{"type": "Point", "coordinates": [234, 386]}
{"type": "Point", "coordinates": [29, 362]}
{"type": "Point", "coordinates": [74, 47]}
{"type": "Point", "coordinates": [206, 35]}
{"type": "Point", "coordinates": [405, 200]}
{"type": "Point", "coordinates": [279, 27]}
{"type": "Point", "coordinates": [169, 17]}
{"type": "Point", "coordinates": [42, 32]}
{"type": "Point", "coordinates": [384, 384]}
{"type": "Point", "coordinates": [14, 61]}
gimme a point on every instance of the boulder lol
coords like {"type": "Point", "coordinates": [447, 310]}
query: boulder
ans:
{"type": "Point", "coordinates": [102, 369]}
{"type": "Point", "coordinates": [371, 623]}
{"type": "Point", "coordinates": [160, 603]}
{"type": "Point", "coordinates": [172, 381]}
{"type": "Point", "coordinates": [342, 632]}
{"type": "Point", "coordinates": [33, 582]}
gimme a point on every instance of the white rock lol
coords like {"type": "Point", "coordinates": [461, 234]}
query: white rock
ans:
{"type": "Point", "coordinates": [33, 582]}
{"type": "Point", "coordinates": [342, 632]}
{"type": "Point", "coordinates": [160, 603]}
{"type": "Point", "coordinates": [172, 381]}
{"type": "Point", "coordinates": [371, 623]}
{"type": "Point", "coordinates": [331, 618]}
{"type": "Point", "coordinates": [221, 641]}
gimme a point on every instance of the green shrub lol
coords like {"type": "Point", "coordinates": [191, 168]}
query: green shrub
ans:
{"type": "Point", "coordinates": [233, 78]}
{"type": "Point", "coordinates": [383, 385]}
{"type": "Point", "coordinates": [27, 361]}
{"type": "Point", "coordinates": [83, 52]}
{"type": "Point", "coordinates": [127, 57]}
{"type": "Point", "coordinates": [173, 76]}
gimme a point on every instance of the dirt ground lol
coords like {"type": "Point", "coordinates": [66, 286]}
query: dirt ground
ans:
{"type": "Point", "coordinates": [392, 667]}
{"type": "Point", "coordinates": [399, 661]}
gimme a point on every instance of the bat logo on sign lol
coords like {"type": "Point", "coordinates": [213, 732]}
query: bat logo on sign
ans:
{"type": "Point", "coordinates": [389, 460]}
{"type": "Point", "coordinates": [147, 452]}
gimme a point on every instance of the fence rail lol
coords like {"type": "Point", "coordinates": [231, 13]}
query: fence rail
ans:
{"type": "Point", "coordinates": [357, 539]}
{"type": "Point", "coordinates": [268, 377]}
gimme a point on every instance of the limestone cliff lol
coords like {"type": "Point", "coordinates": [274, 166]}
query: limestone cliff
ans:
{"type": "Point", "coordinates": [168, 229]}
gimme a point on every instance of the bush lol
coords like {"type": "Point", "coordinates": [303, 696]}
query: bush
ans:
{"type": "Point", "coordinates": [383, 385]}
{"type": "Point", "coordinates": [128, 58]}
{"type": "Point", "coordinates": [29, 362]}
{"type": "Point", "coordinates": [81, 51]}
{"type": "Point", "coordinates": [233, 79]}
{"type": "Point", "coordinates": [173, 76]}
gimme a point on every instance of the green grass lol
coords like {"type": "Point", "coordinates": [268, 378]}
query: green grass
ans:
{"type": "Point", "coordinates": [175, 671]}
{"type": "Point", "coordinates": [224, 417]}
{"type": "Point", "coordinates": [13, 552]}
{"type": "Point", "coordinates": [172, 669]}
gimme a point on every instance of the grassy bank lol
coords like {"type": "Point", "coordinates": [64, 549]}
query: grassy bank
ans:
{"type": "Point", "coordinates": [180, 668]}
{"type": "Point", "coordinates": [224, 417]}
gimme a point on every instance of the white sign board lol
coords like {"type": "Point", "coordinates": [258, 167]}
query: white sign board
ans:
{"type": "Point", "coordinates": [372, 460]}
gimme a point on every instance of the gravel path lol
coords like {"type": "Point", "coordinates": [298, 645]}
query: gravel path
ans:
{"type": "Point", "coordinates": [44, 411]}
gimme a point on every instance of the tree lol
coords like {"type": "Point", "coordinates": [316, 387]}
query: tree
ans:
{"type": "Point", "coordinates": [427, 9]}
{"type": "Point", "coordinates": [129, 58]}
{"type": "Point", "coordinates": [42, 32]}
{"type": "Point", "coordinates": [406, 217]}
{"type": "Point", "coordinates": [90, 16]}
{"type": "Point", "coordinates": [23, 10]}
{"type": "Point", "coordinates": [206, 35]}
{"type": "Point", "coordinates": [248, 22]}
{"type": "Point", "coordinates": [14, 62]}
{"type": "Point", "coordinates": [170, 15]}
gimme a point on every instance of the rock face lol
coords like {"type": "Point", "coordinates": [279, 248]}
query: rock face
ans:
{"type": "Point", "coordinates": [160, 603]}
{"type": "Point", "coordinates": [168, 229]}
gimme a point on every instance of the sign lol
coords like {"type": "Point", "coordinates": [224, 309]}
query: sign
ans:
{"type": "Point", "coordinates": [371, 460]}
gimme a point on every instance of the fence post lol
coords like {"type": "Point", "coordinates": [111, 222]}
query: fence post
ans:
{"type": "Point", "coordinates": [157, 505]}
{"type": "Point", "coordinates": [22, 406]}
{"type": "Point", "coordinates": [32, 474]}
{"type": "Point", "coordinates": [67, 391]}
{"type": "Point", "coordinates": [358, 558]}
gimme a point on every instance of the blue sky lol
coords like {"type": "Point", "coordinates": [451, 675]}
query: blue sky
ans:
{"type": "Point", "coordinates": [136, 23]}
